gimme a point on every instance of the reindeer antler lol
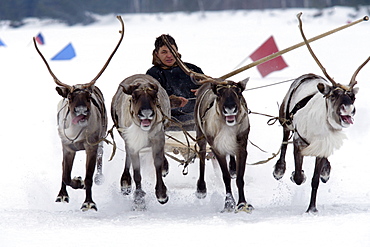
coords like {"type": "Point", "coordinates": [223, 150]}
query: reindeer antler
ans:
{"type": "Point", "coordinates": [110, 57]}
{"type": "Point", "coordinates": [353, 79]}
{"type": "Point", "coordinates": [201, 78]}
{"type": "Point", "coordinates": [59, 83]}
{"type": "Point", "coordinates": [312, 53]}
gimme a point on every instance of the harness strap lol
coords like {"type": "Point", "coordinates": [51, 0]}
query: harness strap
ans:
{"type": "Point", "coordinates": [302, 103]}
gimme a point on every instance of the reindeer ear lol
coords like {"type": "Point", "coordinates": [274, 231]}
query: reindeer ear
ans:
{"type": "Point", "coordinates": [128, 89]}
{"type": "Point", "coordinates": [154, 87]}
{"type": "Point", "coordinates": [62, 91]}
{"type": "Point", "coordinates": [355, 90]}
{"type": "Point", "coordinates": [243, 83]}
{"type": "Point", "coordinates": [324, 89]}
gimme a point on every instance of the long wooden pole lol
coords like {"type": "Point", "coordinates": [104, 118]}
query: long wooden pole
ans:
{"type": "Point", "coordinates": [274, 55]}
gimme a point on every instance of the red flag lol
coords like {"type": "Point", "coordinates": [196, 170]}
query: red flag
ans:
{"type": "Point", "coordinates": [268, 48]}
{"type": "Point", "coordinates": [40, 39]}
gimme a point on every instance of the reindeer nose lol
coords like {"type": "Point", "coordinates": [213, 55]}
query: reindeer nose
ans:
{"type": "Point", "coordinates": [146, 114]}
{"type": "Point", "coordinates": [347, 109]}
{"type": "Point", "coordinates": [230, 110]}
{"type": "Point", "coordinates": [81, 110]}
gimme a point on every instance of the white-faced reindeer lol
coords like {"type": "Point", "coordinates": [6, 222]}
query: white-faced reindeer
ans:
{"type": "Point", "coordinates": [221, 119]}
{"type": "Point", "coordinates": [82, 124]}
{"type": "Point", "coordinates": [140, 109]}
{"type": "Point", "coordinates": [316, 111]}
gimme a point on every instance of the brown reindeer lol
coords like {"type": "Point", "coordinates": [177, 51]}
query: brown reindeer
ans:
{"type": "Point", "coordinates": [82, 124]}
{"type": "Point", "coordinates": [316, 111]}
{"type": "Point", "coordinates": [221, 119]}
{"type": "Point", "coordinates": [140, 109]}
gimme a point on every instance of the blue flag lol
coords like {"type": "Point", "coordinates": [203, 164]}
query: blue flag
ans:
{"type": "Point", "coordinates": [2, 43]}
{"type": "Point", "coordinates": [67, 53]}
{"type": "Point", "coordinates": [40, 39]}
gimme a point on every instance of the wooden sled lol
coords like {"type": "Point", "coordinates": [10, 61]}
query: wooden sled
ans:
{"type": "Point", "coordinates": [183, 144]}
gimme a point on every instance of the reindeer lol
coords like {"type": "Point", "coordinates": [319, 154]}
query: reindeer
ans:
{"type": "Point", "coordinates": [82, 125]}
{"type": "Point", "coordinates": [316, 111]}
{"type": "Point", "coordinates": [221, 120]}
{"type": "Point", "coordinates": [140, 110]}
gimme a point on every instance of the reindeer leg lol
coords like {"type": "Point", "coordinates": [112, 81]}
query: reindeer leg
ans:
{"type": "Point", "coordinates": [298, 175]}
{"type": "Point", "coordinates": [68, 158]}
{"type": "Point", "coordinates": [325, 172]}
{"type": "Point", "coordinates": [242, 203]}
{"type": "Point", "coordinates": [232, 166]}
{"type": "Point", "coordinates": [201, 184]}
{"type": "Point", "coordinates": [280, 165]}
{"type": "Point", "coordinates": [229, 199]}
{"type": "Point", "coordinates": [91, 156]}
{"type": "Point", "coordinates": [165, 167]}
{"type": "Point", "coordinates": [99, 177]}
{"type": "Point", "coordinates": [126, 176]}
{"type": "Point", "coordinates": [320, 162]}
{"type": "Point", "coordinates": [139, 194]}
{"type": "Point", "coordinates": [159, 162]}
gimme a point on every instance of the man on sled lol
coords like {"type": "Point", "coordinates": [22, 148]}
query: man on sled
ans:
{"type": "Point", "coordinates": [178, 85]}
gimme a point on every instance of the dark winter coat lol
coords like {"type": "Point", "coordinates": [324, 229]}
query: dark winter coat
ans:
{"type": "Point", "coordinates": [177, 83]}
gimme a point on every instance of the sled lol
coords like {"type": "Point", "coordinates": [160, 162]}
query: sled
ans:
{"type": "Point", "coordinates": [181, 146]}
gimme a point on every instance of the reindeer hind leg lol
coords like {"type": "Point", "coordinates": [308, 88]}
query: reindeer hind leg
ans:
{"type": "Point", "coordinates": [325, 171]}
{"type": "Point", "coordinates": [126, 187]}
{"type": "Point", "coordinates": [99, 176]}
{"type": "Point", "coordinates": [201, 184]}
{"type": "Point", "coordinates": [298, 177]}
{"type": "Point", "coordinates": [280, 166]}
{"type": "Point", "coordinates": [232, 166]}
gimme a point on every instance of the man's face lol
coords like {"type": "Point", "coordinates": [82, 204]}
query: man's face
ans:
{"type": "Point", "coordinates": [165, 55]}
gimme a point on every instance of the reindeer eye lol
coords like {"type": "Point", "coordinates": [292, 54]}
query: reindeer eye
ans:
{"type": "Point", "coordinates": [238, 90]}
{"type": "Point", "coordinates": [351, 96]}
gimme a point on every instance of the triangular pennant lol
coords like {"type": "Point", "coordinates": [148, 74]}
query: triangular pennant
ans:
{"type": "Point", "coordinates": [40, 39]}
{"type": "Point", "coordinates": [67, 53]}
{"type": "Point", "coordinates": [266, 49]}
{"type": "Point", "coordinates": [2, 43]}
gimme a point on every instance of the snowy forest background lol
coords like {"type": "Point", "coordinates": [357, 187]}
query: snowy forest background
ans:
{"type": "Point", "coordinates": [80, 11]}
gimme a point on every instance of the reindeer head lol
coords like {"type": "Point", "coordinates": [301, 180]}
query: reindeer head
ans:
{"type": "Point", "coordinates": [229, 99]}
{"type": "Point", "coordinates": [79, 96]}
{"type": "Point", "coordinates": [79, 103]}
{"type": "Point", "coordinates": [340, 98]}
{"type": "Point", "coordinates": [143, 103]}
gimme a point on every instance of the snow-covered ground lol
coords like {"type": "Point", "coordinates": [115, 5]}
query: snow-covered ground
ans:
{"type": "Point", "coordinates": [31, 158]}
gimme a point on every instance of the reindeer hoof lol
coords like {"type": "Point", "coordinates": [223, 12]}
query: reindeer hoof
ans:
{"type": "Point", "coordinates": [88, 206]}
{"type": "Point", "coordinates": [244, 207]}
{"type": "Point", "coordinates": [126, 188]}
{"type": "Point", "coordinates": [312, 210]}
{"type": "Point", "coordinates": [139, 201]}
{"type": "Point", "coordinates": [99, 179]}
{"type": "Point", "coordinates": [325, 173]}
{"type": "Point", "coordinates": [163, 200]}
{"type": "Point", "coordinates": [232, 174]}
{"type": "Point", "coordinates": [279, 170]}
{"type": "Point", "coordinates": [298, 178]}
{"type": "Point", "coordinates": [201, 194]}
{"type": "Point", "coordinates": [165, 168]}
{"type": "Point", "coordinates": [62, 199]}
{"type": "Point", "coordinates": [80, 183]}
{"type": "Point", "coordinates": [164, 173]}
{"type": "Point", "coordinates": [201, 190]}
{"type": "Point", "coordinates": [229, 204]}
